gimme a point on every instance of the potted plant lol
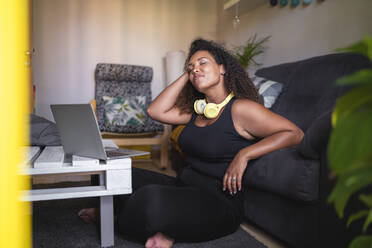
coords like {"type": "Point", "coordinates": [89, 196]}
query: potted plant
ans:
{"type": "Point", "coordinates": [246, 54]}
{"type": "Point", "coordinates": [349, 149]}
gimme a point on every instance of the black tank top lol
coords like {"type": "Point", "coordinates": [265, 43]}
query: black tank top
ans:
{"type": "Point", "coordinates": [210, 149]}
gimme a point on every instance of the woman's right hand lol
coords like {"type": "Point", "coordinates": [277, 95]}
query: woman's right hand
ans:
{"type": "Point", "coordinates": [185, 76]}
{"type": "Point", "coordinates": [163, 107]}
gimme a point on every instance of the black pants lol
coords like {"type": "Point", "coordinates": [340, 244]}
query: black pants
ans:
{"type": "Point", "coordinates": [191, 208]}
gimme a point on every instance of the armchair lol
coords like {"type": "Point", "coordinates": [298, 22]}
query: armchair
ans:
{"type": "Point", "coordinates": [122, 95]}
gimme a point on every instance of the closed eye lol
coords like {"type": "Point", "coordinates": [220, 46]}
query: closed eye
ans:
{"type": "Point", "coordinates": [200, 61]}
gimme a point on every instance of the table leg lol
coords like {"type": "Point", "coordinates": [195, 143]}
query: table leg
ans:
{"type": "Point", "coordinates": [107, 221]}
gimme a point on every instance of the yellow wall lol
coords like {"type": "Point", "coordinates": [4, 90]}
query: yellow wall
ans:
{"type": "Point", "coordinates": [14, 99]}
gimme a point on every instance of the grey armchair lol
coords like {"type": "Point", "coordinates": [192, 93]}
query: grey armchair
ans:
{"type": "Point", "coordinates": [122, 95]}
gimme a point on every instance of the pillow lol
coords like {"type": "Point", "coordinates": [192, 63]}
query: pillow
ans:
{"type": "Point", "coordinates": [316, 136]}
{"type": "Point", "coordinates": [269, 90]}
{"type": "Point", "coordinates": [128, 111]}
{"type": "Point", "coordinates": [43, 132]}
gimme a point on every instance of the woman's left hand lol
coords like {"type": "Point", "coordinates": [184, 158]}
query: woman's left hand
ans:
{"type": "Point", "coordinates": [232, 179]}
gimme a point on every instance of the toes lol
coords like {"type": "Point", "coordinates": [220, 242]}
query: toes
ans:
{"type": "Point", "coordinates": [87, 215]}
{"type": "Point", "coordinates": [150, 243]}
{"type": "Point", "coordinates": [82, 212]}
{"type": "Point", "coordinates": [162, 241]}
{"type": "Point", "coordinates": [159, 240]}
{"type": "Point", "coordinates": [86, 211]}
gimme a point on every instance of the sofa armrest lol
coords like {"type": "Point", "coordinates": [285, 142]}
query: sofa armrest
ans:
{"type": "Point", "coordinates": [285, 172]}
{"type": "Point", "coordinates": [316, 137]}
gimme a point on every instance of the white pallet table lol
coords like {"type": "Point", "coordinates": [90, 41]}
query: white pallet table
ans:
{"type": "Point", "coordinates": [51, 156]}
{"type": "Point", "coordinates": [72, 192]}
{"type": "Point", "coordinates": [68, 168]}
{"type": "Point", "coordinates": [29, 154]}
{"type": "Point", "coordinates": [83, 161]}
{"type": "Point", "coordinates": [115, 179]}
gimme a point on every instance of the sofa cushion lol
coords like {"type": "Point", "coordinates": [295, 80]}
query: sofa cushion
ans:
{"type": "Point", "coordinates": [316, 137]}
{"type": "Point", "coordinates": [120, 80]}
{"type": "Point", "coordinates": [309, 85]}
{"type": "Point", "coordinates": [43, 132]}
{"type": "Point", "coordinates": [269, 90]}
{"type": "Point", "coordinates": [124, 111]}
{"type": "Point", "coordinates": [293, 222]}
{"type": "Point", "coordinates": [285, 172]}
{"type": "Point", "coordinates": [279, 73]}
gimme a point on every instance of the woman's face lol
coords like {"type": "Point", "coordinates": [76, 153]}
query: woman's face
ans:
{"type": "Point", "coordinates": [203, 70]}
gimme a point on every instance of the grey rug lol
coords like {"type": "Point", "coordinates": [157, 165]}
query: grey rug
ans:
{"type": "Point", "coordinates": [56, 224]}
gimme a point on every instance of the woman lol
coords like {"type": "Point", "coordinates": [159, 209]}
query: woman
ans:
{"type": "Point", "coordinates": [219, 140]}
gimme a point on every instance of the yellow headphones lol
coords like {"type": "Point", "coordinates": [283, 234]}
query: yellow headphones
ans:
{"type": "Point", "coordinates": [210, 110]}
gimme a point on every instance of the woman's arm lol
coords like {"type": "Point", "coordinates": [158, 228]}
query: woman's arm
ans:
{"type": "Point", "coordinates": [253, 120]}
{"type": "Point", "coordinates": [162, 108]}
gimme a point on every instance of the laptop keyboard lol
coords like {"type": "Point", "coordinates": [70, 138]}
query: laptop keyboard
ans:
{"type": "Point", "coordinates": [113, 153]}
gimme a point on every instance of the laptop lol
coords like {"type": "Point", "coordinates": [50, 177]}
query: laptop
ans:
{"type": "Point", "coordinates": [80, 134]}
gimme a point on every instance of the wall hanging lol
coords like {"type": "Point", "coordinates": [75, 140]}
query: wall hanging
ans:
{"type": "Point", "coordinates": [283, 3]}
{"type": "Point", "coordinates": [273, 2]}
{"type": "Point", "coordinates": [295, 3]}
{"type": "Point", "coordinates": [236, 20]}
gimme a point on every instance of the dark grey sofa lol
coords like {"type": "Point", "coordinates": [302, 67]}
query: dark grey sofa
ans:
{"type": "Point", "coordinates": [286, 190]}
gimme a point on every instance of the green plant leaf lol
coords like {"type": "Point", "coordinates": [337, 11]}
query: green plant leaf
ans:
{"type": "Point", "coordinates": [367, 221]}
{"type": "Point", "coordinates": [348, 185]}
{"type": "Point", "coordinates": [358, 78]}
{"type": "Point", "coordinates": [366, 199]}
{"type": "Point", "coordinates": [362, 241]}
{"type": "Point", "coordinates": [254, 46]}
{"type": "Point", "coordinates": [349, 153]}
{"type": "Point", "coordinates": [356, 216]}
{"type": "Point", "coordinates": [363, 47]}
{"type": "Point", "coordinates": [351, 101]}
{"type": "Point", "coordinates": [339, 201]}
{"type": "Point", "coordinates": [349, 145]}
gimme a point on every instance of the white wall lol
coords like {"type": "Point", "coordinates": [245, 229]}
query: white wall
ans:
{"type": "Point", "coordinates": [301, 32]}
{"type": "Point", "coordinates": [71, 36]}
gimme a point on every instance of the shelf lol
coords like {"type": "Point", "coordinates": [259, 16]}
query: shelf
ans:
{"type": "Point", "coordinates": [68, 168]}
{"type": "Point", "coordinates": [244, 5]}
{"type": "Point", "coordinates": [72, 192]}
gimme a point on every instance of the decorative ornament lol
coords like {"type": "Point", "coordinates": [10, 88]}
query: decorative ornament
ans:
{"type": "Point", "coordinates": [295, 3]}
{"type": "Point", "coordinates": [273, 2]}
{"type": "Point", "coordinates": [236, 20]}
{"type": "Point", "coordinates": [283, 2]}
{"type": "Point", "coordinates": [307, 1]}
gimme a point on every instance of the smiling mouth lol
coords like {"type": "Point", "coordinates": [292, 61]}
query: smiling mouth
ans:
{"type": "Point", "coordinates": [196, 77]}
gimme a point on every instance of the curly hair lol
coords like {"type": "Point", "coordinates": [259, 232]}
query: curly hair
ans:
{"type": "Point", "coordinates": [236, 78]}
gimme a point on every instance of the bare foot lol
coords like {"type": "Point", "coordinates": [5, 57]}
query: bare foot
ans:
{"type": "Point", "coordinates": [88, 215]}
{"type": "Point", "coordinates": [159, 240]}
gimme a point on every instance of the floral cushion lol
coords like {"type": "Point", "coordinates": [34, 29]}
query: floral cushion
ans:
{"type": "Point", "coordinates": [121, 80]}
{"type": "Point", "coordinates": [269, 90]}
{"type": "Point", "coordinates": [129, 111]}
